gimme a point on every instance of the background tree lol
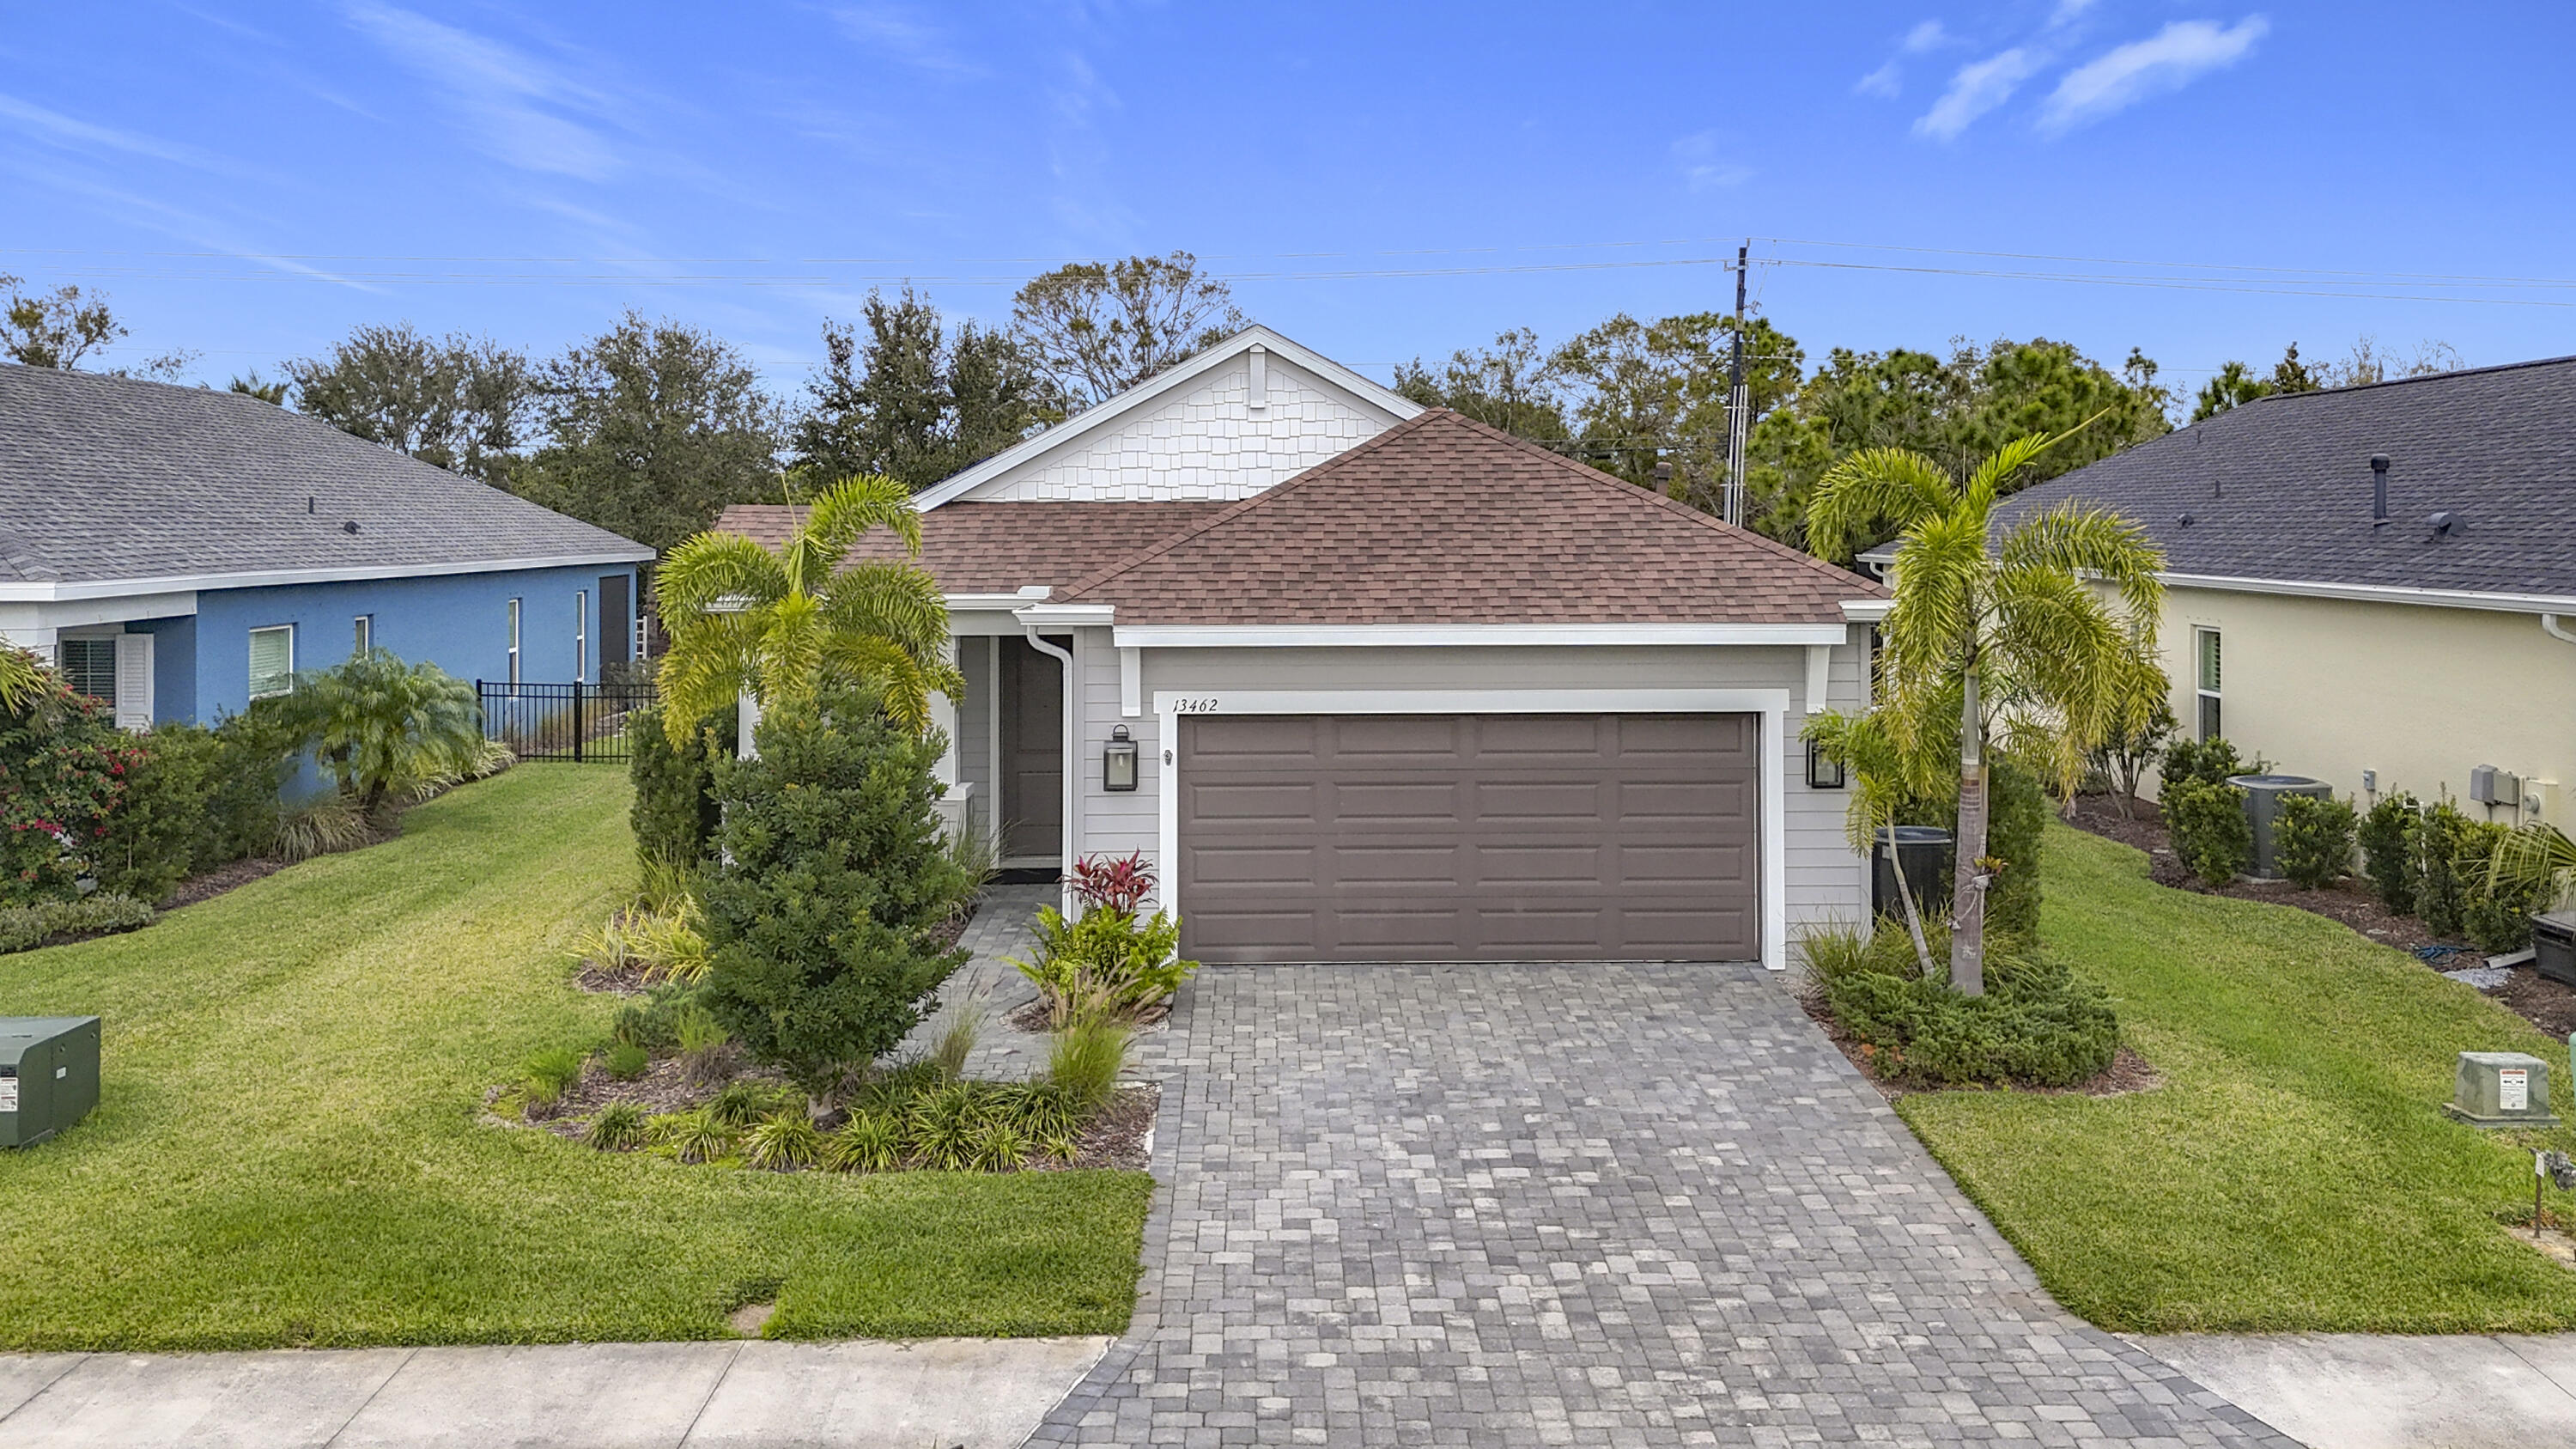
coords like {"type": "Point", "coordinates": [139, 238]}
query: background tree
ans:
{"type": "Point", "coordinates": [256, 386]}
{"type": "Point", "coordinates": [908, 403]}
{"type": "Point", "coordinates": [1650, 393]}
{"type": "Point", "coordinates": [2234, 386]}
{"type": "Point", "coordinates": [1095, 329]}
{"type": "Point", "coordinates": [782, 625]}
{"type": "Point", "coordinates": [1512, 385]}
{"type": "Point", "coordinates": [459, 402]}
{"type": "Point", "coordinates": [1996, 642]}
{"type": "Point", "coordinates": [652, 428]}
{"type": "Point", "coordinates": [59, 328]}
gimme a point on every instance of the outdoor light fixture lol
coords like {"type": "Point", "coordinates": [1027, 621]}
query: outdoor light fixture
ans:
{"type": "Point", "coordinates": [1118, 761]}
{"type": "Point", "coordinates": [1822, 773]}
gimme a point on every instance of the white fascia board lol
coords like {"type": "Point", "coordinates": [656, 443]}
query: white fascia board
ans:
{"type": "Point", "coordinates": [1065, 616]}
{"type": "Point", "coordinates": [1867, 611]}
{"type": "Point", "coordinates": [1093, 418]}
{"type": "Point", "coordinates": [987, 601]}
{"type": "Point", "coordinates": [46, 593]}
{"type": "Point", "coordinates": [1433, 636]}
{"type": "Point", "coordinates": [2380, 594]}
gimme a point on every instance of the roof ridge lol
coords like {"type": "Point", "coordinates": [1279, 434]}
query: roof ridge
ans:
{"type": "Point", "coordinates": [1348, 455]}
{"type": "Point", "coordinates": [2444, 375]}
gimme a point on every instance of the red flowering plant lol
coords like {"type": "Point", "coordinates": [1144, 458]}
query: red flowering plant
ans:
{"type": "Point", "coordinates": [63, 764]}
{"type": "Point", "coordinates": [1106, 963]}
{"type": "Point", "coordinates": [1118, 884]}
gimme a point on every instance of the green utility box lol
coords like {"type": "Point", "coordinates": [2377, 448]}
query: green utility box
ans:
{"type": "Point", "coordinates": [48, 1075]}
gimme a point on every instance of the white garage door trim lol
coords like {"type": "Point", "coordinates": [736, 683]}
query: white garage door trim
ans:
{"type": "Point", "coordinates": [1771, 704]}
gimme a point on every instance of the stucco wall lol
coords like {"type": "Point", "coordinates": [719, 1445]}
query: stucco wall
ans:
{"type": "Point", "coordinates": [1205, 442]}
{"type": "Point", "coordinates": [2330, 688]}
{"type": "Point", "coordinates": [1823, 877]}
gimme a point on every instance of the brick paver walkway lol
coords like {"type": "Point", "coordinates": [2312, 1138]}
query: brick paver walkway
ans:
{"type": "Point", "coordinates": [1631, 1205]}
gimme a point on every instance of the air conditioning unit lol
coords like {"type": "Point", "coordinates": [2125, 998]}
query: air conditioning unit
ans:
{"type": "Point", "coordinates": [48, 1075]}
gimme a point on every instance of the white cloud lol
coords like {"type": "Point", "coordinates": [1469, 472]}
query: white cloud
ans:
{"type": "Point", "coordinates": [1979, 87]}
{"type": "Point", "coordinates": [897, 33]}
{"type": "Point", "coordinates": [1880, 82]}
{"type": "Point", "coordinates": [1927, 36]}
{"type": "Point", "coordinates": [2169, 60]}
{"type": "Point", "coordinates": [2068, 10]}
{"type": "Point", "coordinates": [513, 101]}
{"type": "Point", "coordinates": [78, 135]}
{"type": "Point", "coordinates": [1705, 164]}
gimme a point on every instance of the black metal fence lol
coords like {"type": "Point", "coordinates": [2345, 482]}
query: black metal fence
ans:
{"type": "Point", "coordinates": [576, 722]}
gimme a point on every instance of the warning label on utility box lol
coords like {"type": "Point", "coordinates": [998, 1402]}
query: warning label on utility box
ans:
{"type": "Point", "coordinates": [2513, 1089]}
{"type": "Point", "coordinates": [8, 1094]}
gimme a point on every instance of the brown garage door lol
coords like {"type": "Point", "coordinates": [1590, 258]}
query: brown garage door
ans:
{"type": "Point", "coordinates": [1556, 837]}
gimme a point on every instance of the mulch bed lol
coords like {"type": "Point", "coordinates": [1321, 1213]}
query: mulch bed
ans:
{"type": "Point", "coordinates": [222, 878]}
{"type": "Point", "coordinates": [1031, 1016]}
{"type": "Point", "coordinates": [2128, 1072]}
{"type": "Point", "coordinates": [2546, 1004]}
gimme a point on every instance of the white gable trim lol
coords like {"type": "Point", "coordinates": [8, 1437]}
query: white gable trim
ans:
{"type": "Point", "coordinates": [1082, 425]}
{"type": "Point", "coordinates": [1437, 636]}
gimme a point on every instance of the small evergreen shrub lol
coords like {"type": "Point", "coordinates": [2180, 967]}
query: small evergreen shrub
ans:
{"type": "Point", "coordinates": [63, 764]}
{"type": "Point", "coordinates": [2441, 895]}
{"type": "Point", "coordinates": [2016, 822]}
{"type": "Point", "coordinates": [23, 928]}
{"type": "Point", "coordinates": [2312, 840]}
{"type": "Point", "coordinates": [619, 1127]}
{"type": "Point", "coordinates": [2209, 828]}
{"type": "Point", "coordinates": [871, 1141]}
{"type": "Point", "coordinates": [2201, 762]}
{"type": "Point", "coordinates": [626, 1061]}
{"type": "Point", "coordinates": [152, 836]}
{"type": "Point", "coordinates": [823, 917]}
{"type": "Point", "coordinates": [676, 813]}
{"type": "Point", "coordinates": [1105, 962]}
{"type": "Point", "coordinates": [694, 1136]}
{"type": "Point", "coordinates": [783, 1142]}
{"type": "Point", "coordinates": [2035, 1024]}
{"type": "Point", "coordinates": [2387, 836]}
{"type": "Point", "coordinates": [999, 1146]}
{"type": "Point", "coordinates": [548, 1075]}
{"type": "Point", "coordinates": [2495, 909]}
{"type": "Point", "coordinates": [940, 1131]}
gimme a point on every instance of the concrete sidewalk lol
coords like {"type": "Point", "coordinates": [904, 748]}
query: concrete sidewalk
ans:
{"type": "Point", "coordinates": [980, 1393]}
{"type": "Point", "coordinates": [2371, 1391]}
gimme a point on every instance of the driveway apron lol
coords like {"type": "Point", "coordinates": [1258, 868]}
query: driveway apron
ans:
{"type": "Point", "coordinates": [1583, 1204]}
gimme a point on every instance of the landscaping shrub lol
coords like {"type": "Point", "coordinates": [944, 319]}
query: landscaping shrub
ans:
{"type": "Point", "coordinates": [957, 1043]}
{"type": "Point", "coordinates": [152, 836]}
{"type": "Point", "coordinates": [548, 1075]}
{"type": "Point", "coordinates": [2441, 896]}
{"type": "Point", "coordinates": [2495, 908]}
{"type": "Point", "coordinates": [2203, 762]}
{"type": "Point", "coordinates": [2312, 840]}
{"type": "Point", "coordinates": [23, 928]}
{"type": "Point", "coordinates": [2017, 820]}
{"type": "Point", "coordinates": [782, 1142]}
{"type": "Point", "coordinates": [63, 764]}
{"type": "Point", "coordinates": [668, 944]}
{"type": "Point", "coordinates": [676, 813]}
{"type": "Point", "coordinates": [693, 1136]}
{"type": "Point", "coordinates": [2120, 765]}
{"type": "Point", "coordinates": [822, 917]}
{"type": "Point", "coordinates": [619, 1127]}
{"type": "Point", "coordinates": [2035, 1024]}
{"type": "Point", "coordinates": [319, 827]}
{"type": "Point", "coordinates": [2209, 828]}
{"type": "Point", "coordinates": [706, 1048]}
{"type": "Point", "coordinates": [626, 1061]}
{"type": "Point", "coordinates": [2388, 850]}
{"type": "Point", "coordinates": [1105, 961]}
{"type": "Point", "coordinates": [1085, 1061]}
{"type": "Point", "coordinates": [382, 727]}
{"type": "Point", "coordinates": [742, 1104]}
{"type": "Point", "coordinates": [998, 1146]}
{"type": "Point", "coordinates": [871, 1141]}
{"type": "Point", "coordinates": [940, 1129]}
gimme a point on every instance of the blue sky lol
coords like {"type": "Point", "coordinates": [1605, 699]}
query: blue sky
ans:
{"type": "Point", "coordinates": [1385, 181]}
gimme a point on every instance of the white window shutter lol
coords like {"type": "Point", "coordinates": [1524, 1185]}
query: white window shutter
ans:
{"type": "Point", "coordinates": [134, 681]}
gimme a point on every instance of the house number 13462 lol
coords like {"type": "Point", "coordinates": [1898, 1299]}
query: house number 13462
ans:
{"type": "Point", "coordinates": [1194, 706]}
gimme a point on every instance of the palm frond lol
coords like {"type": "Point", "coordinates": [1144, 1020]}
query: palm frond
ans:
{"type": "Point", "coordinates": [1891, 485]}
{"type": "Point", "coordinates": [904, 684]}
{"type": "Point", "coordinates": [899, 601]}
{"type": "Point", "coordinates": [712, 568]}
{"type": "Point", "coordinates": [848, 509]}
{"type": "Point", "coordinates": [1987, 483]}
{"type": "Point", "coordinates": [2095, 541]}
{"type": "Point", "coordinates": [713, 660]}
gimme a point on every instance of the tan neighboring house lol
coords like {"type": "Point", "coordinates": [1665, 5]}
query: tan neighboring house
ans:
{"type": "Point", "coordinates": [1367, 682]}
{"type": "Point", "coordinates": [2376, 585]}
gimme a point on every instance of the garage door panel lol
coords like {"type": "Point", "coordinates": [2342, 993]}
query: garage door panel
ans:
{"type": "Point", "coordinates": [1472, 837]}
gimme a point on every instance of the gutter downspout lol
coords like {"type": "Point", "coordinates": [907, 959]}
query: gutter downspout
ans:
{"type": "Point", "coordinates": [1072, 767]}
{"type": "Point", "coordinates": [2549, 625]}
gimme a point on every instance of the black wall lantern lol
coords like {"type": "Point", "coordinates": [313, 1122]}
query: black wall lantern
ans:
{"type": "Point", "coordinates": [1118, 761]}
{"type": "Point", "coordinates": [1822, 773]}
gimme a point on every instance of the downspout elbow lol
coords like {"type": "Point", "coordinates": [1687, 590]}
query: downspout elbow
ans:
{"type": "Point", "coordinates": [2550, 626]}
{"type": "Point", "coordinates": [1072, 771]}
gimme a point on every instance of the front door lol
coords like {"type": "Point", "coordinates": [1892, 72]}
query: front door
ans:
{"type": "Point", "coordinates": [1032, 804]}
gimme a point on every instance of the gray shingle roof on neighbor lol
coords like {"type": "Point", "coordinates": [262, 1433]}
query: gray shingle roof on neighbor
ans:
{"type": "Point", "coordinates": [106, 478]}
{"type": "Point", "coordinates": [2280, 489]}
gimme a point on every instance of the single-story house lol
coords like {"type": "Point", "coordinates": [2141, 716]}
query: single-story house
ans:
{"type": "Point", "coordinates": [2375, 586]}
{"type": "Point", "coordinates": [1367, 682]}
{"type": "Point", "coordinates": [178, 551]}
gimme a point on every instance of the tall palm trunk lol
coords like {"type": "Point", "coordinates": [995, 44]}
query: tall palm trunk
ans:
{"type": "Point", "coordinates": [1968, 901]}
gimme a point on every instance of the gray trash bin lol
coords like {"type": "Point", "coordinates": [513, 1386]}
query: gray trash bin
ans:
{"type": "Point", "coordinates": [2263, 796]}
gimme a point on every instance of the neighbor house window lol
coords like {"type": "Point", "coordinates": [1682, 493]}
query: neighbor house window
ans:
{"type": "Point", "coordinates": [365, 636]}
{"type": "Point", "coordinates": [2204, 645]}
{"type": "Point", "coordinates": [89, 667]}
{"type": "Point", "coordinates": [272, 661]}
{"type": "Point", "coordinates": [580, 635]}
{"type": "Point", "coordinates": [514, 641]}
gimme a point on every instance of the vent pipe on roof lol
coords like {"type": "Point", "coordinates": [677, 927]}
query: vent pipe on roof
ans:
{"type": "Point", "coordinates": [2378, 489]}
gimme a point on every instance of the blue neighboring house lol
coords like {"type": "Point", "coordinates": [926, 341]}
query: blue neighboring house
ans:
{"type": "Point", "coordinates": [179, 552]}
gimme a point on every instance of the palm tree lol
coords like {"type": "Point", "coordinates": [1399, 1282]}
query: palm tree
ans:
{"type": "Point", "coordinates": [21, 677]}
{"type": "Point", "coordinates": [1999, 642]}
{"type": "Point", "coordinates": [744, 619]}
{"type": "Point", "coordinates": [382, 726]}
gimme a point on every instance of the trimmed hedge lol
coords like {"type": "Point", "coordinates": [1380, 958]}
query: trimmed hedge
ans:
{"type": "Point", "coordinates": [2036, 1024]}
{"type": "Point", "coordinates": [2312, 840]}
{"type": "Point", "coordinates": [2209, 828]}
{"type": "Point", "coordinates": [23, 928]}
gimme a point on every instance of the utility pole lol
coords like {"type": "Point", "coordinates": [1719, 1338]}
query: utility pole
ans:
{"type": "Point", "coordinates": [1738, 408]}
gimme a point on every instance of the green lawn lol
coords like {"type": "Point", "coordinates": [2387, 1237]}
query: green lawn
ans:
{"type": "Point", "coordinates": [288, 1150]}
{"type": "Point", "coordinates": [2294, 1172]}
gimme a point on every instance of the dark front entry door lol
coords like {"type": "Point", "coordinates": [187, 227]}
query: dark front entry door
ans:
{"type": "Point", "coordinates": [1032, 751]}
{"type": "Point", "coordinates": [616, 619]}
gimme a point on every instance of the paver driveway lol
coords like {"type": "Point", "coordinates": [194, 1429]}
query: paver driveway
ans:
{"type": "Point", "coordinates": [1629, 1205]}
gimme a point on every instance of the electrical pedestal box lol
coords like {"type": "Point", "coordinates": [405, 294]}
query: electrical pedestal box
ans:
{"type": "Point", "coordinates": [48, 1075]}
{"type": "Point", "coordinates": [2502, 1089]}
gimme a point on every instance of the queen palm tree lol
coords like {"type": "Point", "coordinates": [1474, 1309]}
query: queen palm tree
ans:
{"type": "Point", "coordinates": [775, 624]}
{"type": "Point", "coordinates": [1995, 642]}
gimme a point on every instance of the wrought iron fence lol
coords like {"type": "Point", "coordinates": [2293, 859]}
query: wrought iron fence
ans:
{"type": "Point", "coordinates": [579, 722]}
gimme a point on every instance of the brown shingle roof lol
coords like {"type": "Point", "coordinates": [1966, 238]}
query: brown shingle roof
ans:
{"type": "Point", "coordinates": [1444, 520]}
{"type": "Point", "coordinates": [996, 548]}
